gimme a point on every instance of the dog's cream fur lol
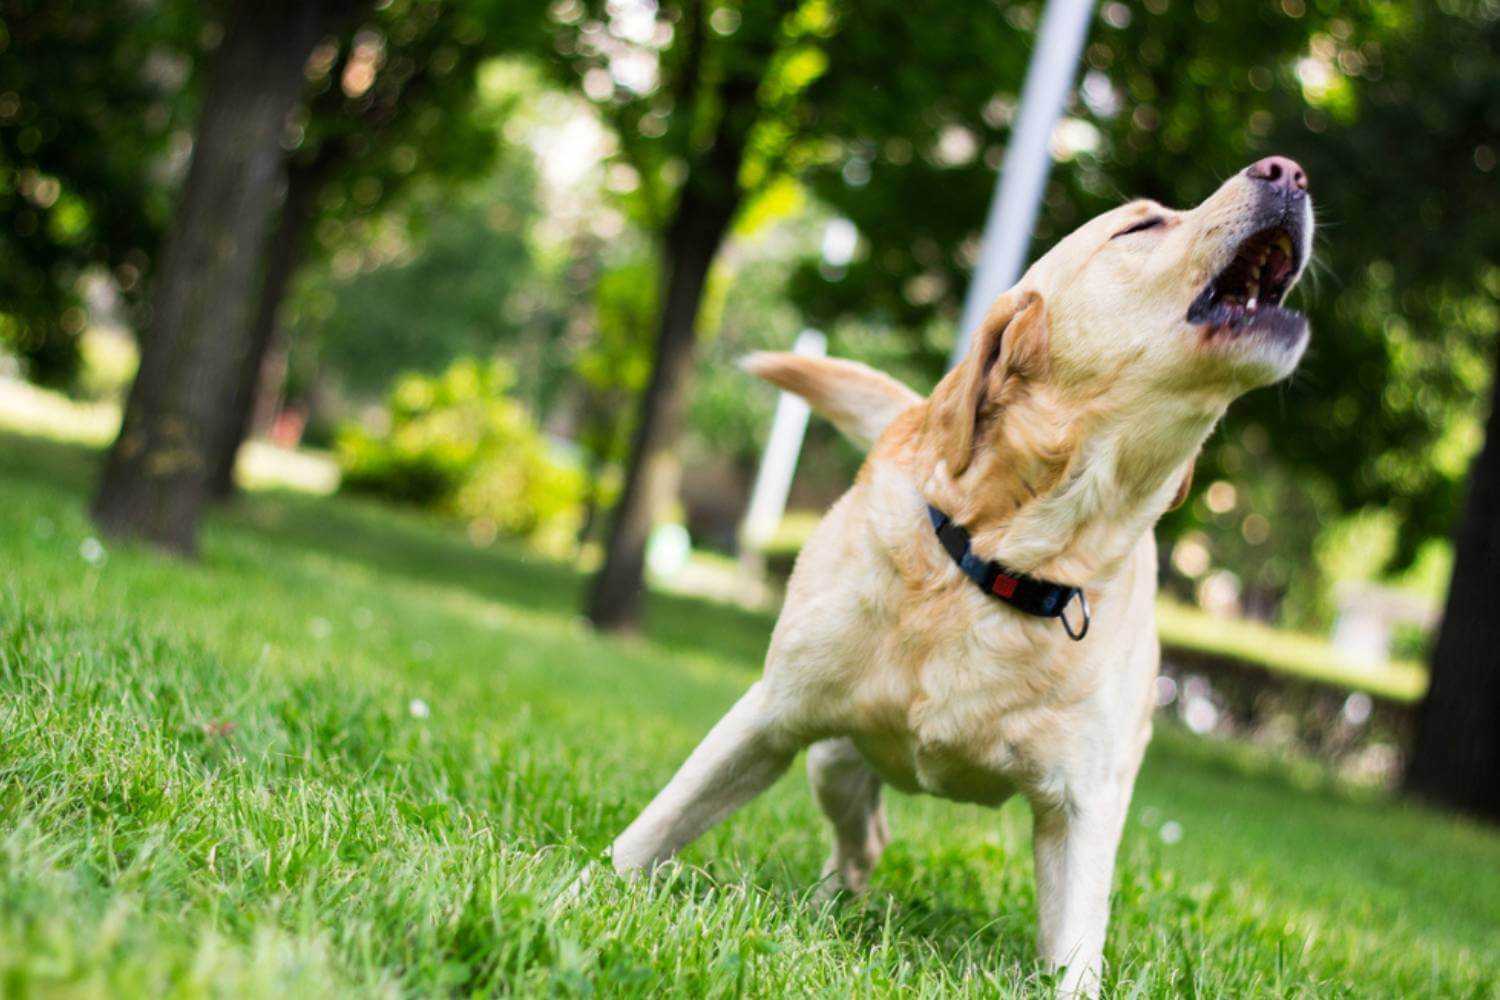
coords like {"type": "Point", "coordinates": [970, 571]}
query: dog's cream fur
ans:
{"type": "Point", "coordinates": [1058, 443]}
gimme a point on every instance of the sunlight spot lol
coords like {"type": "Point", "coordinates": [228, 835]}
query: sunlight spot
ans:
{"type": "Point", "coordinates": [91, 550]}
{"type": "Point", "coordinates": [1100, 94]}
{"type": "Point", "coordinates": [840, 240]}
{"type": "Point", "coordinates": [1116, 15]}
{"type": "Point", "coordinates": [1200, 715]}
{"type": "Point", "coordinates": [956, 146]}
{"type": "Point", "coordinates": [1222, 497]}
{"type": "Point", "coordinates": [1191, 556]}
{"type": "Point", "coordinates": [598, 84]}
{"type": "Point", "coordinates": [668, 550]}
{"type": "Point", "coordinates": [1357, 708]}
{"type": "Point", "coordinates": [1072, 136]}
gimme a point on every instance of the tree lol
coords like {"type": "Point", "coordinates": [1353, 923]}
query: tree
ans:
{"type": "Point", "coordinates": [742, 96]}
{"type": "Point", "coordinates": [690, 89]}
{"type": "Point", "coordinates": [610, 370]}
{"type": "Point", "coordinates": [709, 199]}
{"type": "Point", "coordinates": [89, 94]}
{"type": "Point", "coordinates": [156, 476]}
{"type": "Point", "coordinates": [1456, 760]}
{"type": "Point", "coordinates": [390, 105]}
{"type": "Point", "coordinates": [304, 182]}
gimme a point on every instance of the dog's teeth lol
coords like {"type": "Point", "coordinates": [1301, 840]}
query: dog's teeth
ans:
{"type": "Point", "coordinates": [1252, 304]}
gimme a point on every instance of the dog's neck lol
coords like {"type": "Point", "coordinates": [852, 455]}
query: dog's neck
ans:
{"type": "Point", "coordinates": [1070, 506]}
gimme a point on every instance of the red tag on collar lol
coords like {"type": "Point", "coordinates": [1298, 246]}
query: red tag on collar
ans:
{"type": "Point", "coordinates": [1004, 586]}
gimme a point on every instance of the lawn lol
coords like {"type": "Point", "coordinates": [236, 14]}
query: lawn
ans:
{"type": "Point", "coordinates": [348, 752]}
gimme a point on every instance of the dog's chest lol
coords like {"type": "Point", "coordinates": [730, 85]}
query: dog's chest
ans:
{"type": "Point", "coordinates": [982, 771]}
{"type": "Point", "coordinates": [978, 723]}
{"type": "Point", "coordinates": [944, 690]}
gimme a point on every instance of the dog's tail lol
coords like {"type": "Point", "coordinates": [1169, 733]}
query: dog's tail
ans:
{"type": "Point", "coordinates": [860, 401]}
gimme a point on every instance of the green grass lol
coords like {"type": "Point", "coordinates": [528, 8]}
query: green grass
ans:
{"type": "Point", "coordinates": [212, 781]}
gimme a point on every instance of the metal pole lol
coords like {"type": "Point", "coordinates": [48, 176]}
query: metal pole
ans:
{"type": "Point", "coordinates": [779, 461]}
{"type": "Point", "coordinates": [1023, 176]}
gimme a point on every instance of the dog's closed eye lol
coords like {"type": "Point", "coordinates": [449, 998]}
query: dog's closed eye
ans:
{"type": "Point", "coordinates": [1150, 222]}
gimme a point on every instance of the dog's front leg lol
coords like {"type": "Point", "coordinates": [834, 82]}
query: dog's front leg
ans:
{"type": "Point", "coordinates": [740, 757]}
{"type": "Point", "coordinates": [1075, 848]}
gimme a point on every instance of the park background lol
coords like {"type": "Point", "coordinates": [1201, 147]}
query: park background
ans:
{"type": "Point", "coordinates": [328, 670]}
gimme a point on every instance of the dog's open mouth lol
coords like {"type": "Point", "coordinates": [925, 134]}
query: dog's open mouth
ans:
{"type": "Point", "coordinates": [1247, 294]}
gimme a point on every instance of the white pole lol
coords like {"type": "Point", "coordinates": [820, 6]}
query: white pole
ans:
{"type": "Point", "coordinates": [1023, 176]}
{"type": "Point", "coordinates": [774, 480]}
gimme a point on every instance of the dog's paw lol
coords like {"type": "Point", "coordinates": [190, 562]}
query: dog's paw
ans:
{"type": "Point", "coordinates": [842, 876]}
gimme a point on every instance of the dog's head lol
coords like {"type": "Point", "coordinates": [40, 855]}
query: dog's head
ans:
{"type": "Point", "coordinates": [1145, 308]}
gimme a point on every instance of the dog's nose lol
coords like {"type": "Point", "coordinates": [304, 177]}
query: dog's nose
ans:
{"type": "Point", "coordinates": [1279, 171]}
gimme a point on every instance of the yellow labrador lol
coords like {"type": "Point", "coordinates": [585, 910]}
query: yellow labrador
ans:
{"type": "Point", "coordinates": [927, 639]}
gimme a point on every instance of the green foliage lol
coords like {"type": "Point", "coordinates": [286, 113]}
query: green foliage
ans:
{"type": "Point", "coordinates": [612, 367]}
{"type": "Point", "coordinates": [93, 97]}
{"type": "Point", "coordinates": [395, 104]}
{"type": "Point", "coordinates": [730, 412]}
{"type": "Point", "coordinates": [347, 753]}
{"type": "Point", "coordinates": [1262, 521]}
{"type": "Point", "coordinates": [704, 102]}
{"type": "Point", "coordinates": [448, 274]}
{"type": "Point", "coordinates": [458, 443]}
{"type": "Point", "coordinates": [393, 100]}
{"type": "Point", "coordinates": [89, 96]}
{"type": "Point", "coordinates": [715, 115]}
{"type": "Point", "coordinates": [1411, 643]}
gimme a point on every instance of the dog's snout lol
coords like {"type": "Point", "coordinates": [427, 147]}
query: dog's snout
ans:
{"type": "Point", "coordinates": [1280, 172]}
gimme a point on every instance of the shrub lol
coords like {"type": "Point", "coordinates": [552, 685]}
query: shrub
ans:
{"type": "Point", "coordinates": [458, 443]}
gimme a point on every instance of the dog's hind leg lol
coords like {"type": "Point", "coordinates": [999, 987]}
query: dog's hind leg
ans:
{"type": "Point", "coordinates": [848, 790]}
{"type": "Point", "coordinates": [740, 757]}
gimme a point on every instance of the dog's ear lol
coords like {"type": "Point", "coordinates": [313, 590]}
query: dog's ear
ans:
{"type": "Point", "coordinates": [1011, 343]}
{"type": "Point", "coordinates": [1184, 488]}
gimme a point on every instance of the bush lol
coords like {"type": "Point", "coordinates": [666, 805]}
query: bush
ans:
{"type": "Point", "coordinates": [458, 443]}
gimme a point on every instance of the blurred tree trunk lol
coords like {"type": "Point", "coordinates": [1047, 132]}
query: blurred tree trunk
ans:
{"type": "Point", "coordinates": [1456, 761]}
{"type": "Point", "coordinates": [709, 199]}
{"type": "Point", "coordinates": [688, 251]}
{"type": "Point", "coordinates": [156, 476]}
{"type": "Point", "coordinates": [283, 257]}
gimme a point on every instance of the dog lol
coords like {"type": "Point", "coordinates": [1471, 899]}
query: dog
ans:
{"type": "Point", "coordinates": [975, 616]}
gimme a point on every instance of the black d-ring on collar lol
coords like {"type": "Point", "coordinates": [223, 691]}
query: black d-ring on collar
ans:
{"type": "Point", "coordinates": [1022, 592]}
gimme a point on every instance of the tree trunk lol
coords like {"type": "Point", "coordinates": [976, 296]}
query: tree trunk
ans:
{"type": "Point", "coordinates": [1456, 761]}
{"type": "Point", "coordinates": [615, 599]}
{"type": "Point", "coordinates": [232, 423]}
{"type": "Point", "coordinates": [156, 476]}
{"type": "Point", "coordinates": [710, 197]}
